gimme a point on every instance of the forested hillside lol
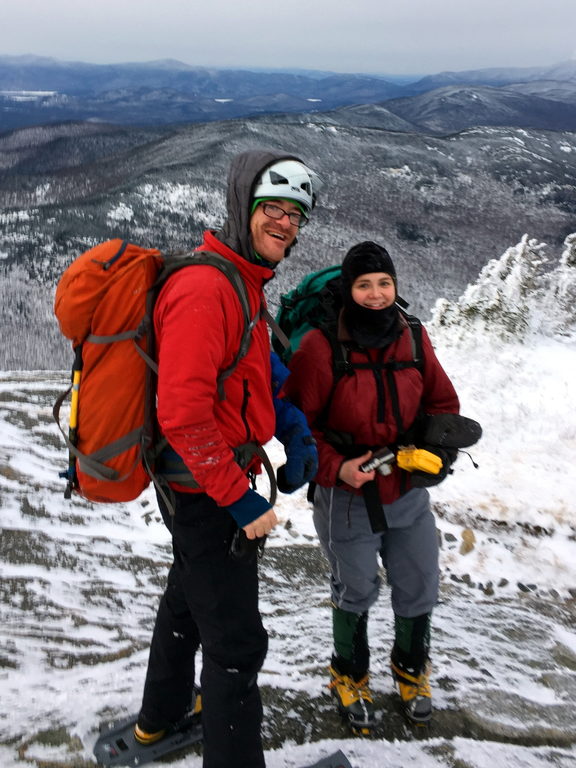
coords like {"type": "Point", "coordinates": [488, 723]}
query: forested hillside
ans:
{"type": "Point", "coordinates": [444, 206]}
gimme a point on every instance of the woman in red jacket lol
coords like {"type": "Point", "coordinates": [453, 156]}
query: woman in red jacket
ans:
{"type": "Point", "coordinates": [384, 394]}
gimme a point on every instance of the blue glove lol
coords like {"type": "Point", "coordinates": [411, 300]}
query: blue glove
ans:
{"type": "Point", "coordinates": [301, 453]}
{"type": "Point", "coordinates": [279, 373]}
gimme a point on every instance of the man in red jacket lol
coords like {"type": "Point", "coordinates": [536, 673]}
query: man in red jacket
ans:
{"type": "Point", "coordinates": [212, 594]}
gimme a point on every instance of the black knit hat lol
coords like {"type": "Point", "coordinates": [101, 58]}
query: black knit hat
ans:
{"type": "Point", "coordinates": [363, 258]}
{"type": "Point", "coordinates": [368, 327]}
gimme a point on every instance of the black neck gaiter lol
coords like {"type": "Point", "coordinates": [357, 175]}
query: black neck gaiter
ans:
{"type": "Point", "coordinates": [373, 328]}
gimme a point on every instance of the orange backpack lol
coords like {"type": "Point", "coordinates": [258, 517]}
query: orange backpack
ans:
{"type": "Point", "coordinates": [104, 303]}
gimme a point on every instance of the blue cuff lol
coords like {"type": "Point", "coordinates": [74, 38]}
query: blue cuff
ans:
{"type": "Point", "coordinates": [248, 508]}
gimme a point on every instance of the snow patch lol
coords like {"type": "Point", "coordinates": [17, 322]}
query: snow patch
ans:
{"type": "Point", "coordinates": [121, 212]}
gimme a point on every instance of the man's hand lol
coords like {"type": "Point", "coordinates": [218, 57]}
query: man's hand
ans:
{"type": "Point", "coordinates": [351, 474]}
{"type": "Point", "coordinates": [261, 526]}
{"type": "Point", "coordinates": [249, 509]}
{"type": "Point", "coordinates": [301, 461]}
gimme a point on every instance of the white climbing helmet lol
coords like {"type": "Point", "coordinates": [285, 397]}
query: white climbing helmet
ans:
{"type": "Point", "coordinates": [291, 180]}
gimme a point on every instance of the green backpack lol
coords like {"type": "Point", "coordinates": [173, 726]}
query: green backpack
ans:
{"type": "Point", "coordinates": [314, 303]}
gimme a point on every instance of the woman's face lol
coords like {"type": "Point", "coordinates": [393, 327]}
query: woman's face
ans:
{"type": "Point", "coordinates": [374, 290]}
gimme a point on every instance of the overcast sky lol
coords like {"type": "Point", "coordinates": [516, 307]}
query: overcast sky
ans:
{"type": "Point", "coordinates": [373, 36]}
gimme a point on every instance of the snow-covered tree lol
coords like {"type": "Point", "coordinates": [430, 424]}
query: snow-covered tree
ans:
{"type": "Point", "coordinates": [515, 296]}
{"type": "Point", "coordinates": [561, 309]}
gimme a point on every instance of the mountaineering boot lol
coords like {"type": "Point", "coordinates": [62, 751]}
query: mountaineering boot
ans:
{"type": "Point", "coordinates": [354, 701]}
{"type": "Point", "coordinates": [415, 692]}
{"type": "Point", "coordinates": [410, 664]}
{"type": "Point", "coordinates": [145, 732]}
{"type": "Point", "coordinates": [349, 669]}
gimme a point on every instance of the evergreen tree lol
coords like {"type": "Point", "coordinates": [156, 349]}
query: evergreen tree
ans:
{"type": "Point", "coordinates": [515, 296]}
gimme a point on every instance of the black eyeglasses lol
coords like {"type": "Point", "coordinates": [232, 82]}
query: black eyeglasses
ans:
{"type": "Point", "coordinates": [275, 212]}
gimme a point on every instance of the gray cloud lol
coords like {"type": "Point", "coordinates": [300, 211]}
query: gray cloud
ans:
{"type": "Point", "coordinates": [394, 36]}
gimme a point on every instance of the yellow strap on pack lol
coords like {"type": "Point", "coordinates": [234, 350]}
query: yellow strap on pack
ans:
{"type": "Point", "coordinates": [411, 458]}
{"type": "Point", "coordinates": [74, 399]}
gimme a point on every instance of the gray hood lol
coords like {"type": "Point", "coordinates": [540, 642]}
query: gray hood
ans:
{"type": "Point", "coordinates": [245, 170]}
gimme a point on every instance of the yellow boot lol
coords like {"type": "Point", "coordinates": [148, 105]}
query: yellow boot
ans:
{"type": "Point", "coordinates": [145, 737]}
{"type": "Point", "coordinates": [354, 699]}
{"type": "Point", "coordinates": [415, 692]}
{"type": "Point", "coordinates": [145, 733]}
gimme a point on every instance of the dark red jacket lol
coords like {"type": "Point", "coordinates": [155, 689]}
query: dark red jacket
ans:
{"type": "Point", "coordinates": [354, 405]}
{"type": "Point", "coordinates": [198, 325]}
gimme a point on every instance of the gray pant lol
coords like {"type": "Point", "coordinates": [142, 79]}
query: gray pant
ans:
{"type": "Point", "coordinates": [409, 551]}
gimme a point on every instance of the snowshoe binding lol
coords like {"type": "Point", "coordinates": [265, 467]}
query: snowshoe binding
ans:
{"type": "Point", "coordinates": [134, 741]}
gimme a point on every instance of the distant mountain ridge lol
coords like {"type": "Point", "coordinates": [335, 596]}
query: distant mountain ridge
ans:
{"type": "Point", "coordinates": [457, 107]}
{"type": "Point", "coordinates": [37, 91]}
{"type": "Point", "coordinates": [167, 92]}
{"type": "Point", "coordinates": [498, 76]}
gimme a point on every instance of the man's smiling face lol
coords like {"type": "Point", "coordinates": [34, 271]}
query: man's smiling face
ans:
{"type": "Point", "coordinates": [271, 237]}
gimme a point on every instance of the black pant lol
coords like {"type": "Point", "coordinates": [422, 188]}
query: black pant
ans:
{"type": "Point", "coordinates": [211, 599]}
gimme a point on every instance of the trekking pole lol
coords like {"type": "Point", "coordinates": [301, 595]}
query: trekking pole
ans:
{"type": "Point", "coordinates": [73, 424]}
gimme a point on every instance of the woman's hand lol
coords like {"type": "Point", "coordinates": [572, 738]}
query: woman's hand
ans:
{"type": "Point", "coordinates": [351, 474]}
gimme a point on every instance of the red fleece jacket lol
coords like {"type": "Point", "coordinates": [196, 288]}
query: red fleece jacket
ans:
{"type": "Point", "coordinates": [353, 408]}
{"type": "Point", "coordinates": [198, 325]}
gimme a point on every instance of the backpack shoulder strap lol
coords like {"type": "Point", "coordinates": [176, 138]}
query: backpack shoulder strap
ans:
{"type": "Point", "coordinates": [341, 365]}
{"type": "Point", "coordinates": [276, 330]}
{"type": "Point", "coordinates": [173, 263]}
{"type": "Point", "coordinates": [415, 328]}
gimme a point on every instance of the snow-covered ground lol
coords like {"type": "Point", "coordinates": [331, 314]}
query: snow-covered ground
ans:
{"type": "Point", "coordinates": [80, 583]}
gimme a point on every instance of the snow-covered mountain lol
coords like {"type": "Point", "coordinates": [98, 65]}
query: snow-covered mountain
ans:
{"type": "Point", "coordinates": [457, 107]}
{"type": "Point", "coordinates": [564, 71]}
{"type": "Point", "coordinates": [80, 582]}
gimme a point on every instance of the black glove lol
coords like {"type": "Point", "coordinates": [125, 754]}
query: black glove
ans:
{"type": "Point", "coordinates": [451, 430]}
{"type": "Point", "coordinates": [448, 456]}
